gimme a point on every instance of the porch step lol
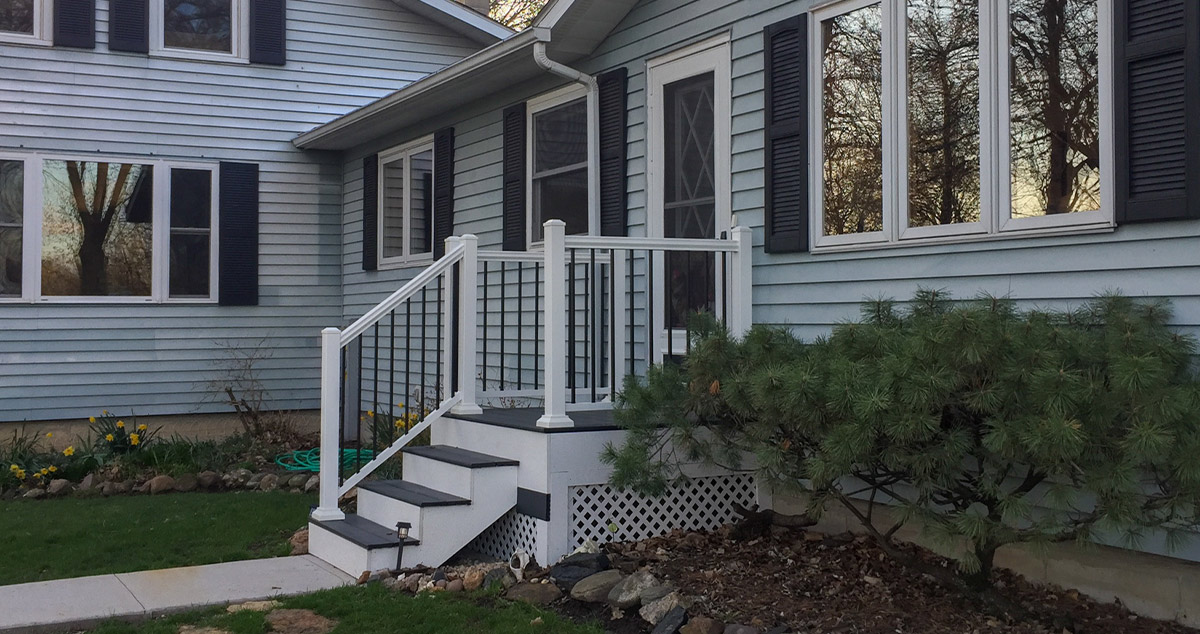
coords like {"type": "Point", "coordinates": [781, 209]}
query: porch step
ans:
{"type": "Point", "coordinates": [411, 493]}
{"type": "Point", "coordinates": [460, 457]}
{"type": "Point", "coordinates": [365, 533]}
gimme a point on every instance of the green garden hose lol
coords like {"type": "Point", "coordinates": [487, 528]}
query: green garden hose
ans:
{"type": "Point", "coordinates": [310, 459]}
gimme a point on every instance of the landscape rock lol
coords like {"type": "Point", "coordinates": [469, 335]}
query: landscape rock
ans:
{"type": "Point", "coordinates": [571, 570]}
{"type": "Point", "coordinates": [122, 488]}
{"type": "Point", "coordinates": [252, 606]}
{"type": "Point", "coordinates": [534, 593]}
{"type": "Point", "coordinates": [269, 482]}
{"type": "Point", "coordinates": [252, 482]}
{"type": "Point", "coordinates": [501, 575]}
{"type": "Point", "coordinates": [208, 480]}
{"type": "Point", "coordinates": [654, 593]}
{"type": "Point", "coordinates": [439, 575]}
{"type": "Point", "coordinates": [299, 542]}
{"type": "Point", "coordinates": [34, 494]}
{"type": "Point", "coordinates": [595, 589]}
{"type": "Point", "coordinates": [734, 628]}
{"type": "Point", "coordinates": [299, 622]}
{"type": "Point", "coordinates": [240, 476]}
{"type": "Point", "coordinates": [58, 487]}
{"type": "Point", "coordinates": [297, 480]}
{"type": "Point", "coordinates": [412, 582]}
{"type": "Point", "coordinates": [652, 613]}
{"type": "Point", "coordinates": [88, 483]}
{"type": "Point", "coordinates": [455, 586]}
{"type": "Point", "coordinates": [628, 593]}
{"type": "Point", "coordinates": [186, 483]}
{"type": "Point", "coordinates": [160, 484]}
{"type": "Point", "coordinates": [672, 621]}
{"type": "Point", "coordinates": [702, 625]}
{"type": "Point", "coordinates": [312, 484]}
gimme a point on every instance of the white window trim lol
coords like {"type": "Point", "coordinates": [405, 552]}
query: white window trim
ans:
{"type": "Point", "coordinates": [239, 35]}
{"type": "Point", "coordinates": [401, 151]}
{"type": "Point", "coordinates": [31, 234]}
{"type": "Point", "coordinates": [541, 103]}
{"type": "Point", "coordinates": [995, 221]}
{"type": "Point", "coordinates": [43, 27]}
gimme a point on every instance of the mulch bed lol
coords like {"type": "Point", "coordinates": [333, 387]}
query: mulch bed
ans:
{"type": "Point", "coordinates": [847, 585]}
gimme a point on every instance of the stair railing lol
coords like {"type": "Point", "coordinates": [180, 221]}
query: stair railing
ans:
{"type": "Point", "coordinates": [395, 371]}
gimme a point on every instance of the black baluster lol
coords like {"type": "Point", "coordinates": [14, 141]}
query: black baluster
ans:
{"type": "Point", "coordinates": [571, 327]}
{"type": "Point", "coordinates": [392, 362]}
{"type": "Point", "coordinates": [344, 387]}
{"type": "Point", "coordinates": [424, 369]}
{"type": "Point", "coordinates": [520, 325]}
{"type": "Point", "coordinates": [486, 309]}
{"type": "Point", "coordinates": [503, 322]}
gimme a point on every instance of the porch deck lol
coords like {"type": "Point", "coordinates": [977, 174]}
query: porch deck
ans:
{"type": "Point", "coordinates": [525, 418]}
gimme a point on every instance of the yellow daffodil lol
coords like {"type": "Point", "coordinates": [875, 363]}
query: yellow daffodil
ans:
{"type": "Point", "coordinates": [50, 434]}
{"type": "Point", "coordinates": [91, 419]}
{"type": "Point", "coordinates": [134, 439]}
{"type": "Point", "coordinates": [44, 471]}
{"type": "Point", "coordinates": [53, 468]}
{"type": "Point", "coordinates": [69, 451]}
{"type": "Point", "coordinates": [120, 424]}
{"type": "Point", "coordinates": [142, 427]}
{"type": "Point", "coordinates": [38, 476]}
{"type": "Point", "coordinates": [106, 412]}
{"type": "Point", "coordinates": [14, 468]}
{"type": "Point", "coordinates": [20, 474]}
{"type": "Point", "coordinates": [109, 437]}
{"type": "Point", "coordinates": [371, 413]}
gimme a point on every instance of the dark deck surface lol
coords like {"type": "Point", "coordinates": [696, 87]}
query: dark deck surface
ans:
{"type": "Point", "coordinates": [526, 418]}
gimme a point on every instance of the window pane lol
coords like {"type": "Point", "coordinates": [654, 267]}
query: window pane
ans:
{"type": "Point", "coordinates": [1055, 118]}
{"type": "Point", "coordinates": [12, 212]}
{"type": "Point", "coordinates": [421, 204]}
{"type": "Point", "coordinates": [392, 209]}
{"type": "Point", "coordinates": [190, 261]}
{"type": "Point", "coordinates": [97, 229]}
{"type": "Point", "coordinates": [852, 109]}
{"type": "Point", "coordinates": [943, 112]}
{"type": "Point", "coordinates": [560, 136]}
{"type": "Point", "coordinates": [563, 196]}
{"type": "Point", "coordinates": [204, 25]}
{"type": "Point", "coordinates": [191, 199]}
{"type": "Point", "coordinates": [16, 16]}
{"type": "Point", "coordinates": [690, 152]}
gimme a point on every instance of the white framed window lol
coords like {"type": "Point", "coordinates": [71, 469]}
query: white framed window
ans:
{"type": "Point", "coordinates": [200, 29]}
{"type": "Point", "coordinates": [936, 120]}
{"type": "Point", "coordinates": [560, 163]}
{"type": "Point", "coordinates": [105, 230]}
{"type": "Point", "coordinates": [27, 22]}
{"type": "Point", "coordinates": [405, 230]}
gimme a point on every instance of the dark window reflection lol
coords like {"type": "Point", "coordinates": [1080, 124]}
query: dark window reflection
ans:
{"type": "Point", "coordinates": [191, 232]}
{"type": "Point", "coordinates": [560, 154]}
{"type": "Point", "coordinates": [16, 16]}
{"type": "Point", "coordinates": [204, 25]}
{"type": "Point", "coordinates": [12, 214]}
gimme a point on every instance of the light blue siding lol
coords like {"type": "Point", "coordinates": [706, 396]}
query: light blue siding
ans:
{"type": "Point", "coordinates": [68, 361]}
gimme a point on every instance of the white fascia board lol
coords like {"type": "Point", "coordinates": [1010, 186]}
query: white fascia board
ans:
{"type": "Point", "coordinates": [460, 18]}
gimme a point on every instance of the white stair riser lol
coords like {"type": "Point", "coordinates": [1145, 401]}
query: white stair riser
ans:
{"type": "Point", "coordinates": [449, 528]}
{"type": "Point", "coordinates": [347, 556]}
{"type": "Point", "coordinates": [386, 511]}
{"type": "Point", "coordinates": [438, 475]}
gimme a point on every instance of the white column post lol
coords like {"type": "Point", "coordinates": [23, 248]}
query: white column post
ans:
{"type": "Point", "coordinates": [468, 289]}
{"type": "Point", "coordinates": [556, 326]}
{"type": "Point", "coordinates": [741, 283]}
{"type": "Point", "coordinates": [448, 317]}
{"type": "Point", "coordinates": [331, 428]}
{"type": "Point", "coordinates": [620, 280]}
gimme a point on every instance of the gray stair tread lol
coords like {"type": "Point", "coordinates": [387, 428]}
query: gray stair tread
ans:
{"type": "Point", "coordinates": [364, 532]}
{"type": "Point", "coordinates": [414, 494]}
{"type": "Point", "coordinates": [460, 457]}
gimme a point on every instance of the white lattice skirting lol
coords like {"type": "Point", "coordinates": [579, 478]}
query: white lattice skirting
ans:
{"type": "Point", "coordinates": [510, 533]}
{"type": "Point", "coordinates": [605, 514]}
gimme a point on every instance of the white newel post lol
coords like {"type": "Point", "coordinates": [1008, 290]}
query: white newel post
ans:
{"type": "Point", "coordinates": [331, 428]}
{"type": "Point", "coordinates": [468, 287]}
{"type": "Point", "coordinates": [555, 334]}
{"type": "Point", "coordinates": [741, 300]}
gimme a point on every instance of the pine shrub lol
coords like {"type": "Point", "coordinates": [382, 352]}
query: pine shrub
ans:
{"type": "Point", "coordinates": [984, 424]}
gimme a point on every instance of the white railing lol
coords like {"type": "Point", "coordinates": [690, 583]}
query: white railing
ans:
{"type": "Point", "coordinates": [562, 326]}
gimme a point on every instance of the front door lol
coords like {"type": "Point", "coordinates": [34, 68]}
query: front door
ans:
{"type": "Point", "coordinates": [688, 182]}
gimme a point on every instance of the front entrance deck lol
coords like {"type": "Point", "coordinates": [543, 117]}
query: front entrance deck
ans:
{"type": "Point", "coordinates": [526, 418]}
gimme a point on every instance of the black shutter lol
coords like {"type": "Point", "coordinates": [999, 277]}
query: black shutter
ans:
{"type": "Point", "coordinates": [443, 189]}
{"type": "Point", "coordinates": [129, 26]}
{"type": "Point", "coordinates": [613, 125]}
{"type": "Point", "coordinates": [514, 178]}
{"type": "Point", "coordinates": [785, 47]}
{"type": "Point", "coordinates": [1157, 110]}
{"type": "Point", "coordinates": [370, 206]}
{"type": "Point", "coordinates": [75, 23]}
{"type": "Point", "coordinates": [238, 221]}
{"type": "Point", "coordinates": [268, 32]}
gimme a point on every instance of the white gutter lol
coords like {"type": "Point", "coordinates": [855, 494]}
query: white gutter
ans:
{"type": "Point", "coordinates": [593, 119]}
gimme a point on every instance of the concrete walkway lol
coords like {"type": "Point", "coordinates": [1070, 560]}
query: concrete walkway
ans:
{"type": "Point", "coordinates": [75, 604]}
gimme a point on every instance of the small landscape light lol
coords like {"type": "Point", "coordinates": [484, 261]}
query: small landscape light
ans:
{"type": "Point", "coordinates": [402, 529]}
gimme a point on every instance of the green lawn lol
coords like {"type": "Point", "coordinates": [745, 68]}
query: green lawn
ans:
{"type": "Point", "coordinates": [76, 537]}
{"type": "Point", "coordinates": [374, 609]}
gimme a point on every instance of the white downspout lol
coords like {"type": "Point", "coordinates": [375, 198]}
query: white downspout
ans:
{"type": "Point", "coordinates": [593, 106]}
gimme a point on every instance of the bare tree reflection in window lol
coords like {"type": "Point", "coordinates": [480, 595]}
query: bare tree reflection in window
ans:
{"type": "Point", "coordinates": [16, 16]}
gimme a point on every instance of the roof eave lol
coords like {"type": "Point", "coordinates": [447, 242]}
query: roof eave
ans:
{"type": "Point", "coordinates": [459, 18]}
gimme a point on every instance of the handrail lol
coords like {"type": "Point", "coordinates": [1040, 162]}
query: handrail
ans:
{"type": "Point", "coordinates": [511, 256]}
{"type": "Point", "coordinates": [372, 317]}
{"type": "Point", "coordinates": [707, 245]}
